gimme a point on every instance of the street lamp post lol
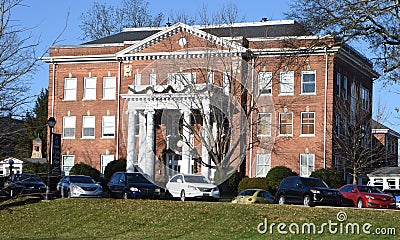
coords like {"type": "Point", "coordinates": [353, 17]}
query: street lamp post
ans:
{"type": "Point", "coordinates": [51, 122]}
{"type": "Point", "coordinates": [11, 162]}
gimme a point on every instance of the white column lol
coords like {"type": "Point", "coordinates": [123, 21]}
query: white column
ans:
{"type": "Point", "coordinates": [131, 144]}
{"type": "Point", "coordinates": [204, 151]}
{"type": "Point", "coordinates": [142, 141]}
{"type": "Point", "coordinates": [149, 163]}
{"type": "Point", "coordinates": [185, 164]}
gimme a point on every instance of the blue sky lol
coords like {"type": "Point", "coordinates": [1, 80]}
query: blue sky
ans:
{"type": "Point", "coordinates": [47, 18]}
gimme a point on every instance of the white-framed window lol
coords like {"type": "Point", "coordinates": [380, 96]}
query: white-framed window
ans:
{"type": "Point", "coordinates": [286, 124]}
{"type": "Point", "coordinates": [308, 82]}
{"type": "Point", "coordinates": [68, 161]}
{"type": "Point", "coordinates": [226, 83]}
{"type": "Point", "coordinates": [307, 123]}
{"type": "Point", "coordinates": [88, 124]}
{"type": "Point", "coordinates": [265, 83]}
{"type": "Point", "coordinates": [365, 101]}
{"type": "Point", "coordinates": [109, 86]}
{"type": "Point", "coordinates": [105, 160]}
{"type": "Point", "coordinates": [263, 164]}
{"type": "Point", "coordinates": [179, 80]}
{"type": "Point", "coordinates": [210, 77]}
{"type": "Point", "coordinates": [338, 83]}
{"type": "Point", "coordinates": [138, 79]}
{"type": "Point", "coordinates": [338, 123]}
{"type": "Point", "coordinates": [286, 83]}
{"type": "Point", "coordinates": [306, 164]}
{"type": "Point", "coordinates": [264, 128]}
{"type": "Point", "coordinates": [69, 127]}
{"type": "Point", "coordinates": [345, 87]}
{"type": "Point", "coordinates": [89, 92]}
{"type": "Point", "coordinates": [108, 126]}
{"type": "Point", "coordinates": [153, 79]}
{"type": "Point", "coordinates": [70, 89]}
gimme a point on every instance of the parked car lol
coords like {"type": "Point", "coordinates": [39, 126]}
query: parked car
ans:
{"type": "Point", "coordinates": [396, 194]}
{"type": "Point", "coordinates": [249, 196]}
{"type": "Point", "coordinates": [132, 185]}
{"type": "Point", "coordinates": [185, 186]}
{"type": "Point", "coordinates": [79, 186]}
{"type": "Point", "coordinates": [307, 191]}
{"type": "Point", "coordinates": [363, 196]}
{"type": "Point", "coordinates": [24, 183]}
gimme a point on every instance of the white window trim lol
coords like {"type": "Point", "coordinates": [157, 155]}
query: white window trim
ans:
{"type": "Point", "coordinates": [70, 166]}
{"type": "Point", "coordinates": [308, 172]}
{"type": "Point", "coordinates": [345, 89]}
{"type": "Point", "coordinates": [83, 127]}
{"type": "Point", "coordinates": [267, 78]}
{"type": "Point", "coordinates": [70, 89]}
{"type": "Point", "coordinates": [210, 77]}
{"type": "Point", "coordinates": [153, 79]}
{"type": "Point", "coordinates": [113, 89]}
{"type": "Point", "coordinates": [338, 83]}
{"type": "Point", "coordinates": [267, 164]}
{"type": "Point", "coordinates": [301, 126]}
{"type": "Point", "coordinates": [315, 83]}
{"type": "Point", "coordinates": [105, 158]}
{"type": "Point", "coordinates": [138, 79]}
{"type": "Point", "coordinates": [86, 95]}
{"type": "Point", "coordinates": [64, 119]}
{"type": "Point", "coordinates": [103, 126]}
{"type": "Point", "coordinates": [270, 125]}
{"type": "Point", "coordinates": [279, 133]}
{"type": "Point", "coordinates": [285, 76]}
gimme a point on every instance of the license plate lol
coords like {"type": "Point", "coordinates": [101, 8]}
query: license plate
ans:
{"type": "Point", "coordinates": [206, 194]}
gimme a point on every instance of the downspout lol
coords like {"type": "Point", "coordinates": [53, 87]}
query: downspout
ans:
{"type": "Point", "coordinates": [251, 119]}
{"type": "Point", "coordinates": [118, 109]}
{"type": "Point", "coordinates": [325, 102]}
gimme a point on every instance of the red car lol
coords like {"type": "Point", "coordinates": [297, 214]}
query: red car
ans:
{"type": "Point", "coordinates": [361, 196]}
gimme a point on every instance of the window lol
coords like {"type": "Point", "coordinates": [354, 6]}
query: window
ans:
{"type": "Point", "coordinates": [69, 127]}
{"type": "Point", "coordinates": [286, 86]}
{"type": "Point", "coordinates": [286, 124]}
{"type": "Point", "coordinates": [88, 126]}
{"type": "Point", "coordinates": [153, 79]}
{"type": "Point", "coordinates": [226, 83]}
{"type": "Point", "coordinates": [210, 77]}
{"type": "Point", "coordinates": [70, 89]}
{"type": "Point", "coordinates": [89, 89]}
{"type": "Point", "coordinates": [307, 123]}
{"type": "Point", "coordinates": [345, 87]}
{"type": "Point", "coordinates": [67, 163]}
{"type": "Point", "coordinates": [138, 79]}
{"type": "Point", "coordinates": [306, 164]}
{"type": "Point", "coordinates": [263, 164]}
{"type": "Point", "coordinates": [264, 124]}
{"type": "Point", "coordinates": [179, 80]}
{"type": "Point", "coordinates": [364, 93]}
{"type": "Point", "coordinates": [265, 83]}
{"type": "Point", "coordinates": [338, 83]}
{"type": "Point", "coordinates": [108, 126]}
{"type": "Point", "coordinates": [105, 160]}
{"type": "Point", "coordinates": [338, 122]}
{"type": "Point", "coordinates": [308, 82]}
{"type": "Point", "coordinates": [109, 84]}
{"type": "Point", "coordinates": [172, 123]}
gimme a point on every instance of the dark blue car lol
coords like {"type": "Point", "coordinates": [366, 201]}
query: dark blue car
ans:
{"type": "Point", "coordinates": [24, 183]}
{"type": "Point", "coordinates": [132, 185]}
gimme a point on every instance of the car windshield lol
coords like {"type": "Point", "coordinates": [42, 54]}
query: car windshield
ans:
{"type": "Point", "coordinates": [395, 193]}
{"type": "Point", "coordinates": [247, 193]}
{"type": "Point", "coordinates": [27, 178]}
{"type": "Point", "coordinates": [136, 178]}
{"type": "Point", "coordinates": [369, 189]}
{"type": "Point", "coordinates": [196, 179]}
{"type": "Point", "coordinates": [81, 179]}
{"type": "Point", "coordinates": [314, 182]}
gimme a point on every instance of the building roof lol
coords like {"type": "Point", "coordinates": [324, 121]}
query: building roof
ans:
{"type": "Point", "coordinates": [247, 30]}
{"type": "Point", "coordinates": [379, 128]}
{"type": "Point", "coordinates": [385, 172]}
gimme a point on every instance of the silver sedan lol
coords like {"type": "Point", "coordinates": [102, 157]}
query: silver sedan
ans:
{"type": "Point", "coordinates": [79, 186]}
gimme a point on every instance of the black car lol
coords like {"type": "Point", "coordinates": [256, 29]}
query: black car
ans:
{"type": "Point", "coordinates": [24, 184]}
{"type": "Point", "coordinates": [132, 185]}
{"type": "Point", "coordinates": [307, 191]}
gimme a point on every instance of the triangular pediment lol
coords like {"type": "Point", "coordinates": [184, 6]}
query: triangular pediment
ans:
{"type": "Point", "coordinates": [137, 48]}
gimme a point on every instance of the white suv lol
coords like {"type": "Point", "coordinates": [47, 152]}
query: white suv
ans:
{"type": "Point", "coordinates": [191, 186]}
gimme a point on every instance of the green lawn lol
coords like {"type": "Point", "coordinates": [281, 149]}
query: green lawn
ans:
{"type": "Point", "coordinates": [30, 218]}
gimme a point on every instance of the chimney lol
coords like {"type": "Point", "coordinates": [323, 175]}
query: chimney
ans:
{"type": "Point", "coordinates": [264, 19]}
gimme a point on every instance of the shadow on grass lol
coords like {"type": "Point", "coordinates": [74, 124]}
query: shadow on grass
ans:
{"type": "Point", "coordinates": [7, 204]}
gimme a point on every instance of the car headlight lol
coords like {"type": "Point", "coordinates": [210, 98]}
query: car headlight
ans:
{"type": "Point", "coordinates": [134, 189]}
{"type": "Point", "coordinates": [315, 191]}
{"type": "Point", "coordinates": [369, 197]}
{"type": "Point", "coordinates": [216, 189]}
{"type": "Point", "coordinates": [157, 190]}
{"type": "Point", "coordinates": [193, 188]}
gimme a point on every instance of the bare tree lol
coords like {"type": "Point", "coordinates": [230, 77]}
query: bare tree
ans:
{"type": "Point", "coordinates": [375, 22]}
{"type": "Point", "coordinates": [103, 19]}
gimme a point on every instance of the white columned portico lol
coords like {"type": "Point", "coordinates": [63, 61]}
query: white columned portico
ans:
{"type": "Point", "coordinates": [204, 149]}
{"type": "Point", "coordinates": [185, 163]}
{"type": "Point", "coordinates": [131, 143]}
{"type": "Point", "coordinates": [150, 137]}
{"type": "Point", "coordinates": [142, 148]}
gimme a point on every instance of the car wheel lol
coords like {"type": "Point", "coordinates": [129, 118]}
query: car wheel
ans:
{"type": "Point", "coordinates": [125, 195]}
{"type": "Point", "coordinates": [281, 200]}
{"type": "Point", "coordinates": [183, 197]}
{"type": "Point", "coordinates": [360, 203]}
{"type": "Point", "coordinates": [307, 201]}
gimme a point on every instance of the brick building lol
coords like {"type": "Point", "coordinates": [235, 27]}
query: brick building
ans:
{"type": "Point", "coordinates": [184, 98]}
